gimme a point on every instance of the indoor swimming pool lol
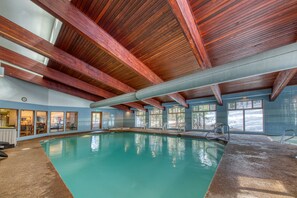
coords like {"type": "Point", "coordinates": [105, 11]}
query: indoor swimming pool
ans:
{"type": "Point", "coordinates": [134, 165]}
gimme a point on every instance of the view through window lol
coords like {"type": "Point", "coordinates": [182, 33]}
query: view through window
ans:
{"type": "Point", "coordinates": [71, 121]}
{"type": "Point", "coordinates": [139, 118]}
{"type": "Point", "coordinates": [176, 117]}
{"type": "Point", "coordinates": [204, 116]}
{"type": "Point", "coordinates": [246, 115]}
{"type": "Point", "coordinates": [155, 118]}
{"type": "Point", "coordinates": [57, 121]}
{"type": "Point", "coordinates": [96, 120]}
{"type": "Point", "coordinates": [27, 123]}
{"type": "Point", "coordinates": [8, 118]}
{"type": "Point", "coordinates": [41, 122]}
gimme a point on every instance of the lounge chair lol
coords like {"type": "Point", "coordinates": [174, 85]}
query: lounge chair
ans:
{"type": "Point", "coordinates": [4, 145]}
{"type": "Point", "coordinates": [3, 155]}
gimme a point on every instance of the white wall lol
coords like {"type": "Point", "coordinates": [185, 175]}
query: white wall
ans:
{"type": "Point", "coordinates": [55, 98]}
{"type": "Point", "coordinates": [12, 89]}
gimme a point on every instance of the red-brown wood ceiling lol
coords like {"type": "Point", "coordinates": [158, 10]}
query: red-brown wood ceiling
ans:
{"type": "Point", "coordinates": [231, 30]}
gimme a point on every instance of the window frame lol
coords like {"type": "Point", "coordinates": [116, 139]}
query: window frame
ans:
{"type": "Point", "coordinates": [244, 114]}
{"type": "Point", "coordinates": [155, 114]}
{"type": "Point", "coordinates": [76, 121]}
{"type": "Point", "coordinates": [135, 118]}
{"type": "Point", "coordinates": [196, 109]}
{"type": "Point", "coordinates": [46, 123]}
{"type": "Point", "coordinates": [176, 113]}
{"type": "Point", "coordinates": [100, 120]}
{"type": "Point", "coordinates": [33, 120]}
{"type": "Point", "coordinates": [18, 119]}
{"type": "Point", "coordinates": [50, 126]}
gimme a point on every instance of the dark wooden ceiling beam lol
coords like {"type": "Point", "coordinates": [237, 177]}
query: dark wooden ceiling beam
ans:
{"type": "Point", "coordinates": [29, 40]}
{"type": "Point", "coordinates": [72, 16]}
{"type": "Point", "coordinates": [34, 66]}
{"type": "Point", "coordinates": [33, 42]}
{"type": "Point", "coordinates": [31, 78]}
{"type": "Point", "coordinates": [281, 81]}
{"type": "Point", "coordinates": [216, 90]}
{"type": "Point", "coordinates": [184, 15]}
{"type": "Point", "coordinates": [154, 102]}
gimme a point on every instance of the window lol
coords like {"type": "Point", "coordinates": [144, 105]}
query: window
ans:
{"type": "Point", "coordinates": [204, 116]}
{"type": "Point", "coordinates": [246, 116]}
{"type": "Point", "coordinates": [176, 117]}
{"type": "Point", "coordinates": [41, 122]}
{"type": "Point", "coordinates": [108, 120]}
{"type": "Point", "coordinates": [96, 120]}
{"type": "Point", "coordinates": [71, 121]}
{"type": "Point", "coordinates": [8, 118]}
{"type": "Point", "coordinates": [156, 120]}
{"type": "Point", "coordinates": [139, 118]}
{"type": "Point", "coordinates": [57, 121]}
{"type": "Point", "coordinates": [27, 123]}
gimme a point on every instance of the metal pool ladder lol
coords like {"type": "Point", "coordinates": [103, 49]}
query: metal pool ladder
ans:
{"type": "Point", "coordinates": [220, 130]}
{"type": "Point", "coordinates": [291, 131]}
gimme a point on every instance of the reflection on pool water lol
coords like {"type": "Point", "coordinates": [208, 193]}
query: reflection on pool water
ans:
{"type": "Point", "coordinates": [134, 165]}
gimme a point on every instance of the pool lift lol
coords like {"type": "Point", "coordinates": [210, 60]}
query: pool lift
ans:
{"type": "Point", "coordinates": [220, 131]}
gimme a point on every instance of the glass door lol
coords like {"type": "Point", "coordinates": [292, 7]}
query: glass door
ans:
{"type": "Point", "coordinates": [41, 122]}
{"type": "Point", "coordinates": [27, 123]}
{"type": "Point", "coordinates": [96, 120]}
{"type": "Point", "coordinates": [57, 122]}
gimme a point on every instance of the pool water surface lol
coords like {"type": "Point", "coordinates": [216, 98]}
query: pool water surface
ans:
{"type": "Point", "coordinates": [134, 165]}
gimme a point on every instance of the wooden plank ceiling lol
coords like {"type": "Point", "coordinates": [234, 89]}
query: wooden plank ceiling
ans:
{"type": "Point", "coordinates": [230, 30]}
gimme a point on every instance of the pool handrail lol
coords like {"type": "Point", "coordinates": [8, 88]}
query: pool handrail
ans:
{"type": "Point", "coordinates": [283, 140]}
{"type": "Point", "coordinates": [219, 132]}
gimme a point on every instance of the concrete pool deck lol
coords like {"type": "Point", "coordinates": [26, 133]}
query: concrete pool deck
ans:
{"type": "Point", "coordinates": [252, 166]}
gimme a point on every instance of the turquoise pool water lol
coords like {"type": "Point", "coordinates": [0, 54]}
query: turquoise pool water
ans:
{"type": "Point", "coordinates": [133, 165]}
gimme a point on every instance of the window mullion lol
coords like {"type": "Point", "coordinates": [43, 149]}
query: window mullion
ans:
{"type": "Point", "coordinates": [203, 113]}
{"type": "Point", "coordinates": [244, 120]}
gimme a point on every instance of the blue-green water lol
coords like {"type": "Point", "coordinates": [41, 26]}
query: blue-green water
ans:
{"type": "Point", "coordinates": [133, 165]}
